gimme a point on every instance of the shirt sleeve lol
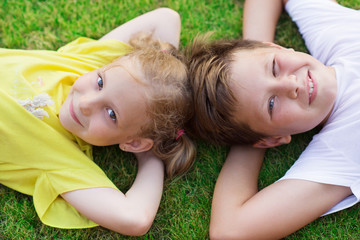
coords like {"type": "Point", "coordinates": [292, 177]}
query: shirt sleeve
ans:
{"type": "Point", "coordinates": [330, 30]}
{"type": "Point", "coordinates": [88, 49]}
{"type": "Point", "coordinates": [44, 161]}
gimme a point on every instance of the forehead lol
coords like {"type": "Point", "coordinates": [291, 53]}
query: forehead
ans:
{"type": "Point", "coordinates": [248, 72]}
{"type": "Point", "coordinates": [125, 80]}
{"type": "Point", "coordinates": [128, 64]}
{"type": "Point", "coordinates": [249, 68]}
{"type": "Point", "coordinates": [127, 92]}
{"type": "Point", "coordinates": [247, 64]}
{"type": "Point", "coordinates": [249, 56]}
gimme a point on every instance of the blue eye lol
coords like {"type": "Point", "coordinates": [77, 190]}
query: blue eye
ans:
{"type": "Point", "coordinates": [112, 114]}
{"type": "Point", "coordinates": [100, 82]}
{"type": "Point", "coordinates": [271, 104]}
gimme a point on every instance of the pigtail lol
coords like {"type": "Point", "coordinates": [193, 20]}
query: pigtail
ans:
{"type": "Point", "coordinates": [169, 101]}
{"type": "Point", "coordinates": [178, 155]}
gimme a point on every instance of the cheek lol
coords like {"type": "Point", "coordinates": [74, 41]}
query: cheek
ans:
{"type": "Point", "coordinates": [289, 114]}
{"type": "Point", "coordinates": [300, 120]}
{"type": "Point", "coordinates": [64, 114]}
{"type": "Point", "coordinates": [78, 84]}
{"type": "Point", "coordinates": [97, 130]}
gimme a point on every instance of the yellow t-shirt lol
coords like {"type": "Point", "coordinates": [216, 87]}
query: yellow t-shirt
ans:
{"type": "Point", "coordinates": [38, 156]}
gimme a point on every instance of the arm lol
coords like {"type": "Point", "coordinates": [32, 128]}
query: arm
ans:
{"type": "Point", "coordinates": [131, 213]}
{"type": "Point", "coordinates": [260, 19]}
{"type": "Point", "coordinates": [163, 23]}
{"type": "Point", "coordinates": [239, 211]}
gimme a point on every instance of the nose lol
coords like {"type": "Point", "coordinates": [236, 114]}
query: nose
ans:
{"type": "Point", "coordinates": [87, 104]}
{"type": "Point", "coordinates": [288, 86]}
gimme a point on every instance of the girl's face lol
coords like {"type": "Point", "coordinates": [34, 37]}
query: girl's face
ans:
{"type": "Point", "coordinates": [105, 107]}
{"type": "Point", "coordinates": [282, 92]}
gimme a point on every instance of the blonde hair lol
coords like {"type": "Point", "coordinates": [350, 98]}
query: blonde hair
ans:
{"type": "Point", "coordinates": [215, 104]}
{"type": "Point", "coordinates": [169, 103]}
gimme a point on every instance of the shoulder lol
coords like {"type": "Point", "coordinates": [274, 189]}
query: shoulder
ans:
{"type": "Point", "coordinates": [84, 45]}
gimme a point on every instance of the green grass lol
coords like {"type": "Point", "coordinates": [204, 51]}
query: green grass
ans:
{"type": "Point", "coordinates": [185, 207]}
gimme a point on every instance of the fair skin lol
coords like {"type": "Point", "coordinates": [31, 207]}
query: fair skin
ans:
{"type": "Point", "coordinates": [295, 92]}
{"type": "Point", "coordinates": [239, 210]}
{"type": "Point", "coordinates": [253, 27]}
{"type": "Point", "coordinates": [92, 112]}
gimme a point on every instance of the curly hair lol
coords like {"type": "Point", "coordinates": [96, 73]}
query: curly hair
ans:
{"type": "Point", "coordinates": [169, 101]}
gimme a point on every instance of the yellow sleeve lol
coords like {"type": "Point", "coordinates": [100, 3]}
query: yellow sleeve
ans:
{"type": "Point", "coordinates": [104, 50]}
{"type": "Point", "coordinates": [42, 161]}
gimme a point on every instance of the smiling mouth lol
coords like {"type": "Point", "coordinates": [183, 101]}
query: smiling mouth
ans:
{"type": "Point", "coordinates": [72, 113]}
{"type": "Point", "coordinates": [311, 87]}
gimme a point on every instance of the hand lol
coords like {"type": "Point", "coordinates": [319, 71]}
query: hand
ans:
{"type": "Point", "coordinates": [163, 23]}
{"type": "Point", "coordinates": [147, 161]}
{"type": "Point", "coordinates": [146, 156]}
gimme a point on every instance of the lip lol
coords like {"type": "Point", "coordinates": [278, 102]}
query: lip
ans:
{"type": "Point", "coordinates": [72, 113]}
{"type": "Point", "coordinates": [314, 92]}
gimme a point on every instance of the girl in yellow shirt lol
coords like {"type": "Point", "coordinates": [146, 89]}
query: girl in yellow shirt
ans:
{"type": "Point", "coordinates": [124, 90]}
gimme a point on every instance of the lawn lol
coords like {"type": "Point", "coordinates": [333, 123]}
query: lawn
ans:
{"type": "Point", "coordinates": [184, 211]}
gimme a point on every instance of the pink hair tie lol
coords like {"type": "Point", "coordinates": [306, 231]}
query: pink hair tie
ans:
{"type": "Point", "coordinates": [179, 133]}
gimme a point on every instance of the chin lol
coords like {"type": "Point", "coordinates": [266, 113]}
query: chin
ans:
{"type": "Point", "coordinates": [92, 141]}
{"type": "Point", "coordinates": [95, 143]}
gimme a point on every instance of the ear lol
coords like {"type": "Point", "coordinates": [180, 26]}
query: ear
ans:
{"type": "Point", "coordinates": [269, 142]}
{"type": "Point", "coordinates": [137, 145]}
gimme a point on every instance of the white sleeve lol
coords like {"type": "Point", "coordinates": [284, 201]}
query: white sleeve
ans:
{"type": "Point", "coordinates": [329, 29]}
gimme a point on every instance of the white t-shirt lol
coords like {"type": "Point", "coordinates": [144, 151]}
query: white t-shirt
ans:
{"type": "Point", "coordinates": [332, 35]}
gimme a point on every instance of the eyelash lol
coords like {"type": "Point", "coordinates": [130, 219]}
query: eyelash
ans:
{"type": "Point", "coordinates": [271, 105]}
{"type": "Point", "coordinates": [100, 82]}
{"type": "Point", "coordinates": [111, 112]}
{"type": "Point", "coordinates": [273, 68]}
{"type": "Point", "coordinates": [272, 99]}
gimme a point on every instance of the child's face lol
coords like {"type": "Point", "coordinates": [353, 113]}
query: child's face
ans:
{"type": "Point", "coordinates": [282, 92]}
{"type": "Point", "coordinates": [105, 107]}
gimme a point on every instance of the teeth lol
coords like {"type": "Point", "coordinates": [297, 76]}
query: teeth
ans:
{"type": "Point", "coordinates": [311, 87]}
